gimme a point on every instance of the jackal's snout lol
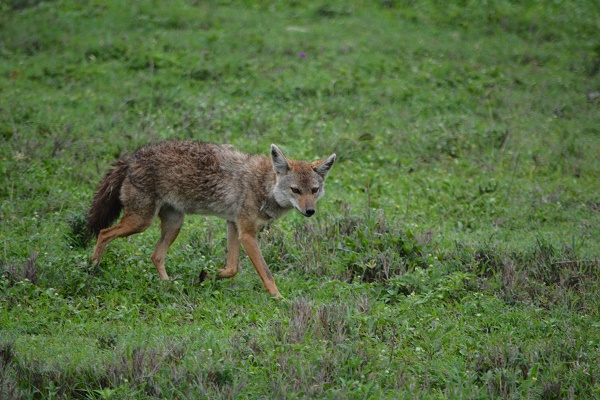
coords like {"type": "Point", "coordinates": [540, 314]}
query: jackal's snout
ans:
{"type": "Point", "coordinates": [305, 204]}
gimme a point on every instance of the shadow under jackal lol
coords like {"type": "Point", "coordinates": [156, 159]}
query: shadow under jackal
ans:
{"type": "Point", "coordinates": [174, 178]}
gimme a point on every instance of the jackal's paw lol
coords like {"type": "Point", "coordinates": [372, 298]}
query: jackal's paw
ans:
{"type": "Point", "coordinates": [92, 267]}
{"type": "Point", "coordinates": [278, 297]}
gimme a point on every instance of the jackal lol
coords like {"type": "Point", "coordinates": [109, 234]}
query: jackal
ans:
{"type": "Point", "coordinates": [174, 178]}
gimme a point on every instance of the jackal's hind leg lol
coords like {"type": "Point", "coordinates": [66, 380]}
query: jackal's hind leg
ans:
{"type": "Point", "coordinates": [170, 225]}
{"type": "Point", "coordinates": [129, 224]}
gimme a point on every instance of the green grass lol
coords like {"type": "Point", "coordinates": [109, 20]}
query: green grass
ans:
{"type": "Point", "coordinates": [455, 254]}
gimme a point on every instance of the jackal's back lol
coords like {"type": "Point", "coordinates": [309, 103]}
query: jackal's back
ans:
{"type": "Point", "coordinates": [196, 177]}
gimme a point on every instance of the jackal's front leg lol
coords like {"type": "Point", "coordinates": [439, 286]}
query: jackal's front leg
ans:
{"type": "Point", "coordinates": [233, 252]}
{"type": "Point", "coordinates": [248, 239]}
{"type": "Point", "coordinates": [233, 255]}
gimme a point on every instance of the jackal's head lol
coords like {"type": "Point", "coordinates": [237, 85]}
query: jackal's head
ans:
{"type": "Point", "coordinates": [299, 184]}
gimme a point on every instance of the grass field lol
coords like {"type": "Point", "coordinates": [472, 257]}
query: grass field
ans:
{"type": "Point", "coordinates": [455, 254]}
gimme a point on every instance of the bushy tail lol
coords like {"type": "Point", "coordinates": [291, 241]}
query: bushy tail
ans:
{"type": "Point", "coordinates": [106, 206]}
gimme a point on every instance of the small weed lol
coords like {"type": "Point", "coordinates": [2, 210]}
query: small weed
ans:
{"type": "Point", "coordinates": [8, 385]}
{"type": "Point", "coordinates": [15, 273]}
{"type": "Point", "coordinates": [301, 316]}
{"type": "Point", "coordinates": [78, 236]}
{"type": "Point", "coordinates": [380, 250]}
{"type": "Point", "coordinates": [107, 341]}
{"type": "Point", "coordinates": [332, 323]}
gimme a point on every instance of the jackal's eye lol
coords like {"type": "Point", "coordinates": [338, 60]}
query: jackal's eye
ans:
{"type": "Point", "coordinates": [315, 190]}
{"type": "Point", "coordinates": [295, 190]}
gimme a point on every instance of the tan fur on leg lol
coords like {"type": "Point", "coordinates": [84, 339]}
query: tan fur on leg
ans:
{"type": "Point", "coordinates": [233, 252]}
{"type": "Point", "coordinates": [170, 225]}
{"type": "Point", "coordinates": [128, 225]}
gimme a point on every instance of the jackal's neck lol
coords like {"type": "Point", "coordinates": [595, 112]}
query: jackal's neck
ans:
{"type": "Point", "coordinates": [269, 206]}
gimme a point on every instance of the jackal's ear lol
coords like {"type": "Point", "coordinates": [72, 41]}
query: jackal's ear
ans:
{"type": "Point", "coordinates": [322, 167]}
{"type": "Point", "coordinates": [280, 162]}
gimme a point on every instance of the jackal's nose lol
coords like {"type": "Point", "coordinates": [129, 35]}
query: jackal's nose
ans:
{"type": "Point", "coordinates": [309, 212]}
